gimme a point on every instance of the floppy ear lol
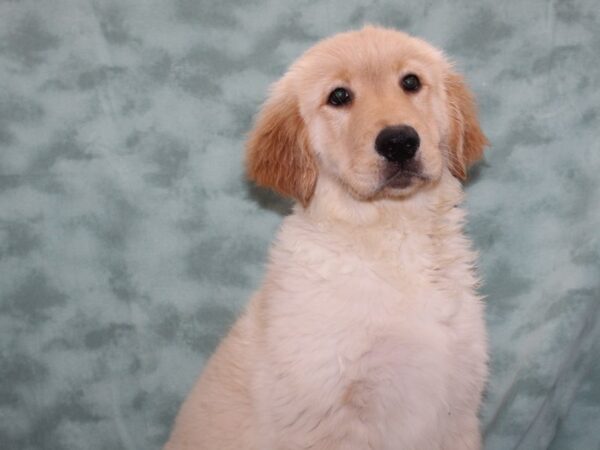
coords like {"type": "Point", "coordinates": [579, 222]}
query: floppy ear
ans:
{"type": "Point", "coordinates": [465, 138]}
{"type": "Point", "coordinates": [278, 153]}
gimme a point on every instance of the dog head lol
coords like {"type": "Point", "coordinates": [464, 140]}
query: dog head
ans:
{"type": "Point", "coordinates": [377, 111]}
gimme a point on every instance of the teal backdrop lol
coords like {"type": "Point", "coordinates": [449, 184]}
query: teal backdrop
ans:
{"type": "Point", "coordinates": [129, 240]}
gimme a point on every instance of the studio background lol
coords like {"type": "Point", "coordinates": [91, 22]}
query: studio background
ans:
{"type": "Point", "coordinates": [129, 240]}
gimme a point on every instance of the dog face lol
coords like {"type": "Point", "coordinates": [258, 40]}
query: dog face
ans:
{"type": "Point", "coordinates": [376, 110]}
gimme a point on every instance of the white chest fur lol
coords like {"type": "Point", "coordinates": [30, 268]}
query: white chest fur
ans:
{"type": "Point", "coordinates": [374, 338]}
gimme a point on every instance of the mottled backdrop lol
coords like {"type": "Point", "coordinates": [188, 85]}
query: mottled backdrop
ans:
{"type": "Point", "coordinates": [129, 239]}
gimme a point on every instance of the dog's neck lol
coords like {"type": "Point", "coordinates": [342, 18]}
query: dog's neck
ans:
{"type": "Point", "coordinates": [334, 205]}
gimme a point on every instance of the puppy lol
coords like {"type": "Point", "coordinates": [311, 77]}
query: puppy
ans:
{"type": "Point", "coordinates": [367, 332]}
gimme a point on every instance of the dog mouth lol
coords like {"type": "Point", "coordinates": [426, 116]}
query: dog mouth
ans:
{"type": "Point", "coordinates": [401, 180]}
{"type": "Point", "coordinates": [402, 176]}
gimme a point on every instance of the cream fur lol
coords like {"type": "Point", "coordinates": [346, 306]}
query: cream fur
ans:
{"type": "Point", "coordinates": [367, 332]}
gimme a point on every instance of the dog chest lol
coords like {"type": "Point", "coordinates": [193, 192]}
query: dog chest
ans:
{"type": "Point", "coordinates": [352, 343]}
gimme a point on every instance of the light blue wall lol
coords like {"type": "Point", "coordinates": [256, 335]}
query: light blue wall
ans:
{"type": "Point", "coordinates": [129, 239]}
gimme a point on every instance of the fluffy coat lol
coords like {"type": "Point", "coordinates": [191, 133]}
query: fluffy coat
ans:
{"type": "Point", "coordinates": [367, 331]}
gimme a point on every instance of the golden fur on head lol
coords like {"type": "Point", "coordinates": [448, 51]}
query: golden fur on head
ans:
{"type": "Point", "coordinates": [279, 154]}
{"type": "Point", "coordinates": [299, 138]}
{"type": "Point", "coordinates": [466, 140]}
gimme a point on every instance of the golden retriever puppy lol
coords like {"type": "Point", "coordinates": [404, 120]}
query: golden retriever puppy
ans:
{"type": "Point", "coordinates": [367, 332]}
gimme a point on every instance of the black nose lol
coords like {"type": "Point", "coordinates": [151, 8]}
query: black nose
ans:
{"type": "Point", "coordinates": [398, 143]}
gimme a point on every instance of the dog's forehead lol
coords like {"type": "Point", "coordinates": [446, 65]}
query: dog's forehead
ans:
{"type": "Point", "coordinates": [367, 52]}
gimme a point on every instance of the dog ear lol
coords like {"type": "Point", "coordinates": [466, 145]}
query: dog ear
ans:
{"type": "Point", "coordinates": [466, 141]}
{"type": "Point", "coordinates": [278, 152]}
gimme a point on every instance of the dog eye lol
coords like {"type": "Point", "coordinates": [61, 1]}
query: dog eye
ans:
{"type": "Point", "coordinates": [339, 97]}
{"type": "Point", "coordinates": [411, 83]}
